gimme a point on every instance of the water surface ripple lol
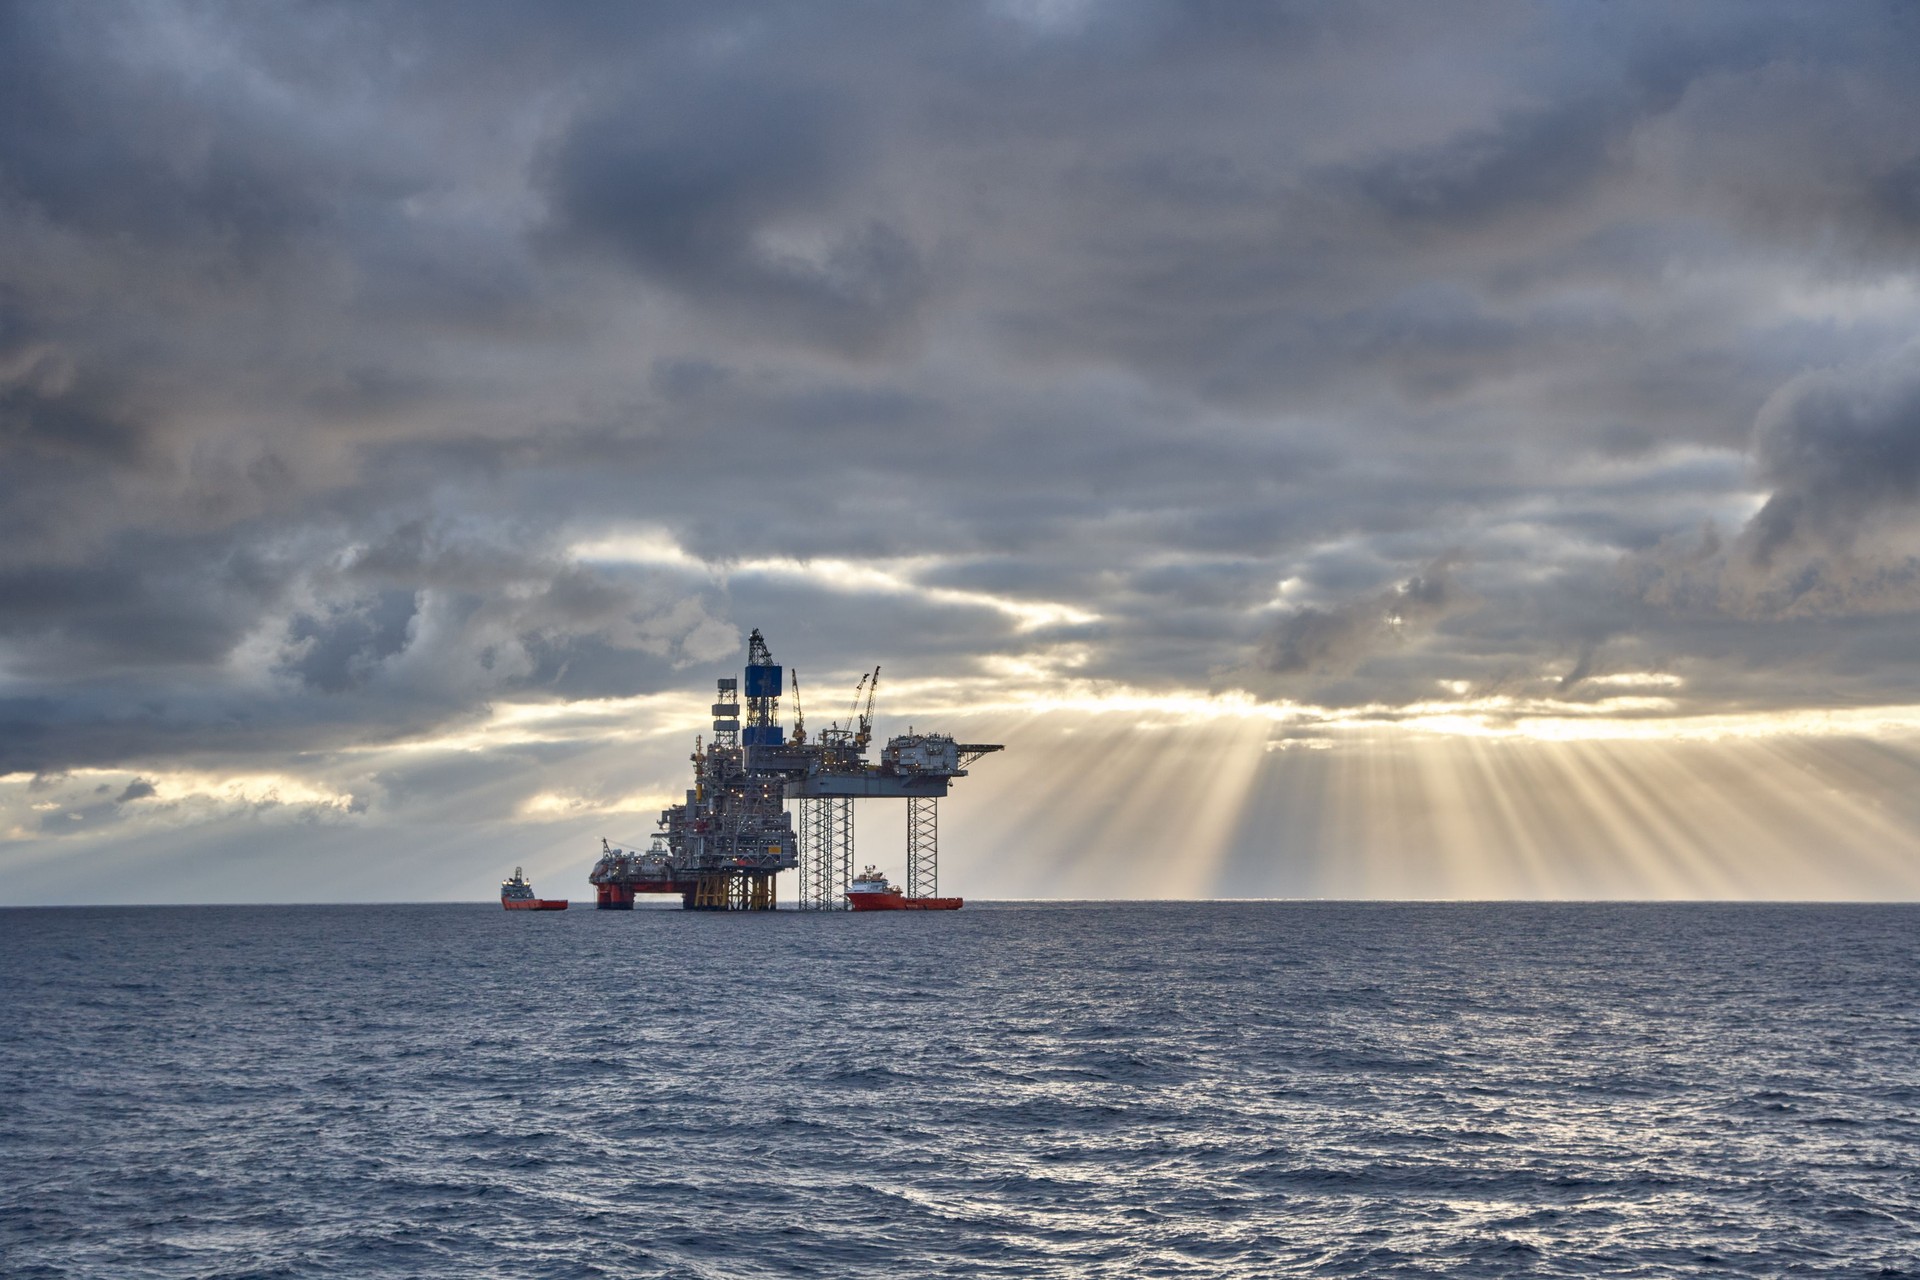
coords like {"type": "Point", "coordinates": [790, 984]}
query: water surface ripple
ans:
{"type": "Point", "coordinates": [1061, 1090]}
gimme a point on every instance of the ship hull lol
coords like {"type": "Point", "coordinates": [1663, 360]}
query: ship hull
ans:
{"type": "Point", "coordinates": [535, 904]}
{"type": "Point", "coordinates": [900, 902]}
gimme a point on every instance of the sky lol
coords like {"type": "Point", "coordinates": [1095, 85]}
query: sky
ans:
{"type": "Point", "coordinates": [1342, 450]}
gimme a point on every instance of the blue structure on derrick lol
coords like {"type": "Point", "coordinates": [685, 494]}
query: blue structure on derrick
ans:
{"type": "Point", "coordinates": [763, 697]}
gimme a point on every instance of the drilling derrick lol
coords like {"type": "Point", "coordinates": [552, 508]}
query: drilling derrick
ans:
{"type": "Point", "coordinates": [722, 847]}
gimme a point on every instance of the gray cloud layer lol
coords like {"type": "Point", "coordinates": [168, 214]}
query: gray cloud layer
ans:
{"type": "Point", "coordinates": [324, 334]}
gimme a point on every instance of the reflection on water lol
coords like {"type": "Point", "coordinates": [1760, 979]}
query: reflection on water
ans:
{"type": "Point", "coordinates": [1324, 1089]}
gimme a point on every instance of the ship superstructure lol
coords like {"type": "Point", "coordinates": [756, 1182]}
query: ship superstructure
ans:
{"type": "Point", "coordinates": [516, 894]}
{"type": "Point", "coordinates": [722, 847]}
{"type": "Point", "coordinates": [873, 892]}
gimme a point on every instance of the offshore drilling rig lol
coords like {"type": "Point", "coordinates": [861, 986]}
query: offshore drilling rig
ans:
{"type": "Point", "coordinates": [722, 847]}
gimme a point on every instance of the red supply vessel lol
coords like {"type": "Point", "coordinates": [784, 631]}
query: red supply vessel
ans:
{"type": "Point", "coordinates": [517, 895]}
{"type": "Point", "coordinates": [871, 892]}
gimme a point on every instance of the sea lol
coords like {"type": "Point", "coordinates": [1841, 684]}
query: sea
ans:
{"type": "Point", "coordinates": [1067, 1089]}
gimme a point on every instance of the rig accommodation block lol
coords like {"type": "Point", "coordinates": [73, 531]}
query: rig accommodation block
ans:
{"type": "Point", "coordinates": [722, 847]}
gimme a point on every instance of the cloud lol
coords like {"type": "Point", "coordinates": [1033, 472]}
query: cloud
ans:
{"type": "Point", "coordinates": [1838, 449]}
{"type": "Point", "coordinates": [733, 190]}
{"type": "Point", "coordinates": [1525, 163]}
{"type": "Point", "coordinates": [988, 343]}
{"type": "Point", "coordinates": [341, 648]}
{"type": "Point", "coordinates": [1337, 640]}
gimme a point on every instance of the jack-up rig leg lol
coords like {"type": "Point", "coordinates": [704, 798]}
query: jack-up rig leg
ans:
{"type": "Point", "coordinates": [923, 847]}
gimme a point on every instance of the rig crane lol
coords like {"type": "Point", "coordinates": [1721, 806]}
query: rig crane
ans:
{"type": "Point", "coordinates": [839, 735]}
{"type": "Point", "coordinates": [865, 735]}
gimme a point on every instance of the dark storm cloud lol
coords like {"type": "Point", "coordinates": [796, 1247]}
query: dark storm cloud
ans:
{"type": "Point", "coordinates": [1338, 639]}
{"type": "Point", "coordinates": [341, 648]}
{"type": "Point", "coordinates": [1521, 165]}
{"type": "Point", "coordinates": [142, 602]}
{"type": "Point", "coordinates": [104, 153]}
{"type": "Point", "coordinates": [162, 649]}
{"type": "Point", "coordinates": [1837, 449]}
{"type": "Point", "coordinates": [686, 180]}
{"type": "Point", "coordinates": [325, 333]}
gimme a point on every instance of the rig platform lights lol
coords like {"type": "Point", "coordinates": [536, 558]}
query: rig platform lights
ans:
{"type": "Point", "coordinates": [722, 847]}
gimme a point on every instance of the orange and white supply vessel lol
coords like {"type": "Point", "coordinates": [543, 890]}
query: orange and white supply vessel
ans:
{"type": "Point", "coordinates": [517, 895]}
{"type": "Point", "coordinates": [871, 892]}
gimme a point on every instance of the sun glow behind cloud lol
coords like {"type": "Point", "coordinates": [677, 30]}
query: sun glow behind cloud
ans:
{"type": "Point", "coordinates": [1196, 808]}
{"type": "Point", "coordinates": [1620, 788]}
{"type": "Point", "coordinates": [1111, 791]}
{"type": "Point", "coordinates": [1542, 717]}
{"type": "Point", "coordinates": [549, 805]}
{"type": "Point", "coordinates": [898, 576]}
{"type": "Point", "coordinates": [79, 802]}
